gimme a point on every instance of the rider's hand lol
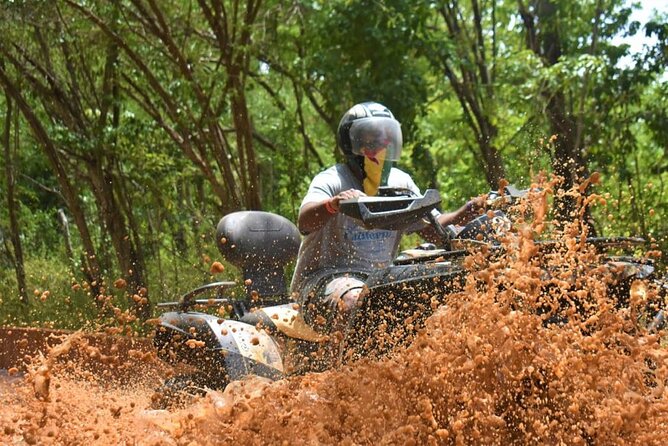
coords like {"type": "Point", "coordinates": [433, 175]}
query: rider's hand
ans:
{"type": "Point", "coordinates": [496, 201]}
{"type": "Point", "coordinates": [478, 204]}
{"type": "Point", "coordinates": [344, 195]}
{"type": "Point", "coordinates": [475, 207]}
{"type": "Point", "coordinates": [314, 215]}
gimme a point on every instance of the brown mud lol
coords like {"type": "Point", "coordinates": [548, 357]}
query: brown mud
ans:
{"type": "Point", "coordinates": [488, 368]}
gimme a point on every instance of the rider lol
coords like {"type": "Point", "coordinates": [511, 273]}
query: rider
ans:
{"type": "Point", "coordinates": [338, 253]}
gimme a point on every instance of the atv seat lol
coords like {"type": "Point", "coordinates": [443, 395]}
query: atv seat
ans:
{"type": "Point", "coordinates": [260, 244]}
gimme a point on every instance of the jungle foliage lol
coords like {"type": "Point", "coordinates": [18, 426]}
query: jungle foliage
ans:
{"type": "Point", "coordinates": [129, 127]}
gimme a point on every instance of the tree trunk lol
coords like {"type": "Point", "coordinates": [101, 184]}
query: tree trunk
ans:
{"type": "Point", "coordinates": [493, 164]}
{"type": "Point", "coordinates": [12, 204]}
{"type": "Point", "coordinates": [115, 224]}
{"type": "Point", "coordinates": [244, 133]}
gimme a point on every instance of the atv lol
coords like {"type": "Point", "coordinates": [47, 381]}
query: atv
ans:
{"type": "Point", "coordinates": [265, 334]}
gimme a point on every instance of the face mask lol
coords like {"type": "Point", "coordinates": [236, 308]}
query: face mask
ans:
{"type": "Point", "coordinates": [376, 171]}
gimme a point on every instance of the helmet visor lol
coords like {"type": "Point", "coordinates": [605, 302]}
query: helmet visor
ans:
{"type": "Point", "coordinates": [376, 136]}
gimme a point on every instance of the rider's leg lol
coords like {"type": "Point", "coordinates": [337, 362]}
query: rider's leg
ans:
{"type": "Point", "coordinates": [342, 295]}
{"type": "Point", "coordinates": [331, 304]}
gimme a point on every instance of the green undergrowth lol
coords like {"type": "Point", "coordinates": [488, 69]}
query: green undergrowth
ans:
{"type": "Point", "coordinates": [58, 299]}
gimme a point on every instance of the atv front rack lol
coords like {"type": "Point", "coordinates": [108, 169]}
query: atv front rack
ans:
{"type": "Point", "coordinates": [187, 300]}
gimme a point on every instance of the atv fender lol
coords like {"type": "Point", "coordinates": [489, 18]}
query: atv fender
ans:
{"type": "Point", "coordinates": [239, 348]}
{"type": "Point", "coordinates": [285, 319]}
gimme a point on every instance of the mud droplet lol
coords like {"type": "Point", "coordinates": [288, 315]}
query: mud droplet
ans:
{"type": "Point", "coordinates": [120, 284]}
{"type": "Point", "coordinates": [41, 383]}
{"type": "Point", "coordinates": [194, 343]}
{"type": "Point", "coordinates": [217, 268]}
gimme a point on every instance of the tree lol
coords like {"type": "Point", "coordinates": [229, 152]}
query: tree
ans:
{"type": "Point", "coordinates": [578, 78]}
{"type": "Point", "coordinates": [466, 52]}
{"type": "Point", "coordinates": [338, 53]}
{"type": "Point", "coordinates": [12, 205]}
{"type": "Point", "coordinates": [60, 79]}
{"type": "Point", "coordinates": [191, 69]}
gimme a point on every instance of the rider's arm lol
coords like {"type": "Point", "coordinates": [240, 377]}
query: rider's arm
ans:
{"type": "Point", "coordinates": [464, 214]}
{"type": "Point", "coordinates": [314, 215]}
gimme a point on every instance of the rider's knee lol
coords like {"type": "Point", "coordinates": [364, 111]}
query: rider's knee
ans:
{"type": "Point", "coordinates": [343, 294]}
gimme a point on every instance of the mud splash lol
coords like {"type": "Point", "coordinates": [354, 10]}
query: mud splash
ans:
{"type": "Point", "coordinates": [73, 388]}
{"type": "Point", "coordinates": [524, 355]}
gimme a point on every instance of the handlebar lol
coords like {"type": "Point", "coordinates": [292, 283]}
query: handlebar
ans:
{"type": "Point", "coordinates": [393, 213]}
{"type": "Point", "coordinates": [402, 210]}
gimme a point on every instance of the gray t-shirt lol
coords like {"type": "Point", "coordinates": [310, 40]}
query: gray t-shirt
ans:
{"type": "Point", "coordinates": [342, 243]}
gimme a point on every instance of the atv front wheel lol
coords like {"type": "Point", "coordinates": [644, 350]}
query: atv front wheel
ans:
{"type": "Point", "coordinates": [179, 391]}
